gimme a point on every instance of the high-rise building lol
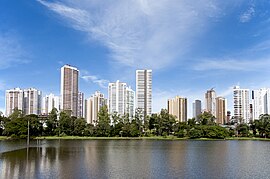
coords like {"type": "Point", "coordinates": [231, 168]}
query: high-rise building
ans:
{"type": "Point", "coordinates": [50, 102]}
{"type": "Point", "coordinates": [80, 105]}
{"type": "Point", "coordinates": [178, 108]}
{"type": "Point", "coordinates": [144, 91]}
{"type": "Point", "coordinates": [14, 100]}
{"type": "Point", "coordinates": [32, 101]}
{"type": "Point", "coordinates": [260, 102]}
{"type": "Point", "coordinates": [210, 101]}
{"type": "Point", "coordinates": [69, 89]}
{"type": "Point", "coordinates": [92, 107]}
{"type": "Point", "coordinates": [241, 104]}
{"type": "Point", "coordinates": [130, 95]}
{"type": "Point", "coordinates": [221, 110]}
{"type": "Point", "coordinates": [197, 109]}
{"type": "Point", "coordinates": [120, 98]}
{"type": "Point", "coordinates": [228, 116]}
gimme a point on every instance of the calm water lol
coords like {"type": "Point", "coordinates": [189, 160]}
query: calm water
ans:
{"type": "Point", "coordinates": [135, 159]}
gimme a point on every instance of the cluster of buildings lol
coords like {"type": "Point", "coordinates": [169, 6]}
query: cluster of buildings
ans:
{"type": "Point", "coordinates": [123, 100]}
{"type": "Point", "coordinates": [121, 97]}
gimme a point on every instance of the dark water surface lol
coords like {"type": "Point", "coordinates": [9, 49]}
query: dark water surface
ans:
{"type": "Point", "coordinates": [135, 159]}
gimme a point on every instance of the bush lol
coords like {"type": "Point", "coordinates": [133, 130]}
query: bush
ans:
{"type": "Point", "coordinates": [63, 134]}
{"type": "Point", "coordinates": [180, 134]}
{"type": "Point", "coordinates": [195, 133]}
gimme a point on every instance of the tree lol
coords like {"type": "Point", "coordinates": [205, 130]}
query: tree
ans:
{"type": "Point", "coordinates": [51, 123]}
{"type": "Point", "coordinates": [17, 128]}
{"type": "Point", "coordinates": [206, 118]}
{"type": "Point", "coordinates": [79, 127]}
{"type": "Point", "coordinates": [243, 130]}
{"type": "Point", "coordinates": [103, 124]}
{"type": "Point", "coordinates": [16, 114]}
{"type": "Point", "coordinates": [263, 125]}
{"type": "Point", "coordinates": [3, 121]}
{"type": "Point", "coordinates": [65, 123]}
{"type": "Point", "coordinates": [195, 133]}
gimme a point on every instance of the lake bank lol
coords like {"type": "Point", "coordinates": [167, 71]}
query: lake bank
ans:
{"type": "Point", "coordinates": [136, 138]}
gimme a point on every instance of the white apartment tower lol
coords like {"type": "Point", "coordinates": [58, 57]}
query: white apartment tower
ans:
{"type": "Point", "coordinates": [210, 101]}
{"type": "Point", "coordinates": [14, 100]}
{"type": "Point", "coordinates": [260, 102]}
{"type": "Point", "coordinates": [69, 89]}
{"type": "Point", "coordinates": [32, 101]}
{"type": "Point", "coordinates": [130, 95]}
{"type": "Point", "coordinates": [50, 102]}
{"type": "Point", "coordinates": [241, 104]}
{"type": "Point", "coordinates": [92, 107]}
{"type": "Point", "coordinates": [120, 98]}
{"type": "Point", "coordinates": [80, 105]}
{"type": "Point", "coordinates": [144, 91]}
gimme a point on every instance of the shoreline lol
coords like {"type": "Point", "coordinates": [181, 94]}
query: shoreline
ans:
{"type": "Point", "coordinates": [139, 138]}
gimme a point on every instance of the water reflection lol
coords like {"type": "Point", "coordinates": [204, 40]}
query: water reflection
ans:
{"type": "Point", "coordinates": [137, 158]}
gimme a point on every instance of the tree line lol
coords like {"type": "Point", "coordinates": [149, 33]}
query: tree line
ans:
{"type": "Point", "coordinates": [162, 124]}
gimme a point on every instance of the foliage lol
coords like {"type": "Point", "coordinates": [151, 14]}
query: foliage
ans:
{"type": "Point", "coordinates": [162, 124]}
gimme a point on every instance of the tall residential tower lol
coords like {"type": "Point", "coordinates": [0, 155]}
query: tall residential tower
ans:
{"type": "Point", "coordinates": [241, 104]}
{"type": "Point", "coordinates": [14, 100]}
{"type": "Point", "coordinates": [210, 101]}
{"type": "Point", "coordinates": [32, 101]}
{"type": "Point", "coordinates": [69, 89]}
{"type": "Point", "coordinates": [120, 98]}
{"type": "Point", "coordinates": [144, 91]}
{"type": "Point", "coordinates": [178, 108]}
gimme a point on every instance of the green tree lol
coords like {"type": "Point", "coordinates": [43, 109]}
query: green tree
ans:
{"type": "Point", "coordinates": [16, 114]}
{"type": "Point", "coordinates": [79, 127]}
{"type": "Point", "coordinates": [103, 124]}
{"type": "Point", "coordinates": [195, 133]}
{"type": "Point", "coordinates": [206, 118]}
{"type": "Point", "coordinates": [243, 130]}
{"type": "Point", "coordinates": [89, 130]}
{"type": "Point", "coordinates": [3, 121]}
{"type": "Point", "coordinates": [51, 123]}
{"type": "Point", "coordinates": [264, 125]}
{"type": "Point", "coordinates": [17, 127]}
{"type": "Point", "coordinates": [35, 126]}
{"type": "Point", "coordinates": [65, 123]}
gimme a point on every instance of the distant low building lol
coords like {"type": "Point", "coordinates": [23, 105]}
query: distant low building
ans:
{"type": "Point", "coordinates": [92, 107]}
{"type": "Point", "coordinates": [197, 109]}
{"type": "Point", "coordinates": [178, 108]}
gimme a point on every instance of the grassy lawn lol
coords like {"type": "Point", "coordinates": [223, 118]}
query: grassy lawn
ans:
{"type": "Point", "coordinates": [140, 138]}
{"type": "Point", "coordinates": [3, 137]}
{"type": "Point", "coordinates": [247, 138]}
{"type": "Point", "coordinates": [146, 138]}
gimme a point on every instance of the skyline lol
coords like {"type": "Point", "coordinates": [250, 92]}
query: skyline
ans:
{"type": "Point", "coordinates": [191, 47]}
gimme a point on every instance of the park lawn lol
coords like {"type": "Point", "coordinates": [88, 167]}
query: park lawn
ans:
{"type": "Point", "coordinates": [3, 137]}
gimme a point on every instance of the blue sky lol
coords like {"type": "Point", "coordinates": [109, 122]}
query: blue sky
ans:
{"type": "Point", "coordinates": [190, 45]}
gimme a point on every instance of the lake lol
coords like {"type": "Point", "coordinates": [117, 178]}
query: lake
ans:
{"type": "Point", "coordinates": [134, 159]}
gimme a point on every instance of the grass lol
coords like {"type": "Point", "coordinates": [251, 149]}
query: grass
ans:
{"type": "Point", "coordinates": [113, 138]}
{"type": "Point", "coordinates": [140, 138]}
{"type": "Point", "coordinates": [147, 138]}
{"type": "Point", "coordinates": [3, 137]}
{"type": "Point", "coordinates": [247, 138]}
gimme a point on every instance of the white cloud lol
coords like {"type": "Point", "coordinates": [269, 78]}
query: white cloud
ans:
{"type": "Point", "coordinates": [141, 33]}
{"type": "Point", "coordinates": [232, 64]}
{"type": "Point", "coordinates": [11, 52]}
{"type": "Point", "coordinates": [247, 15]}
{"type": "Point", "coordinates": [94, 79]}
